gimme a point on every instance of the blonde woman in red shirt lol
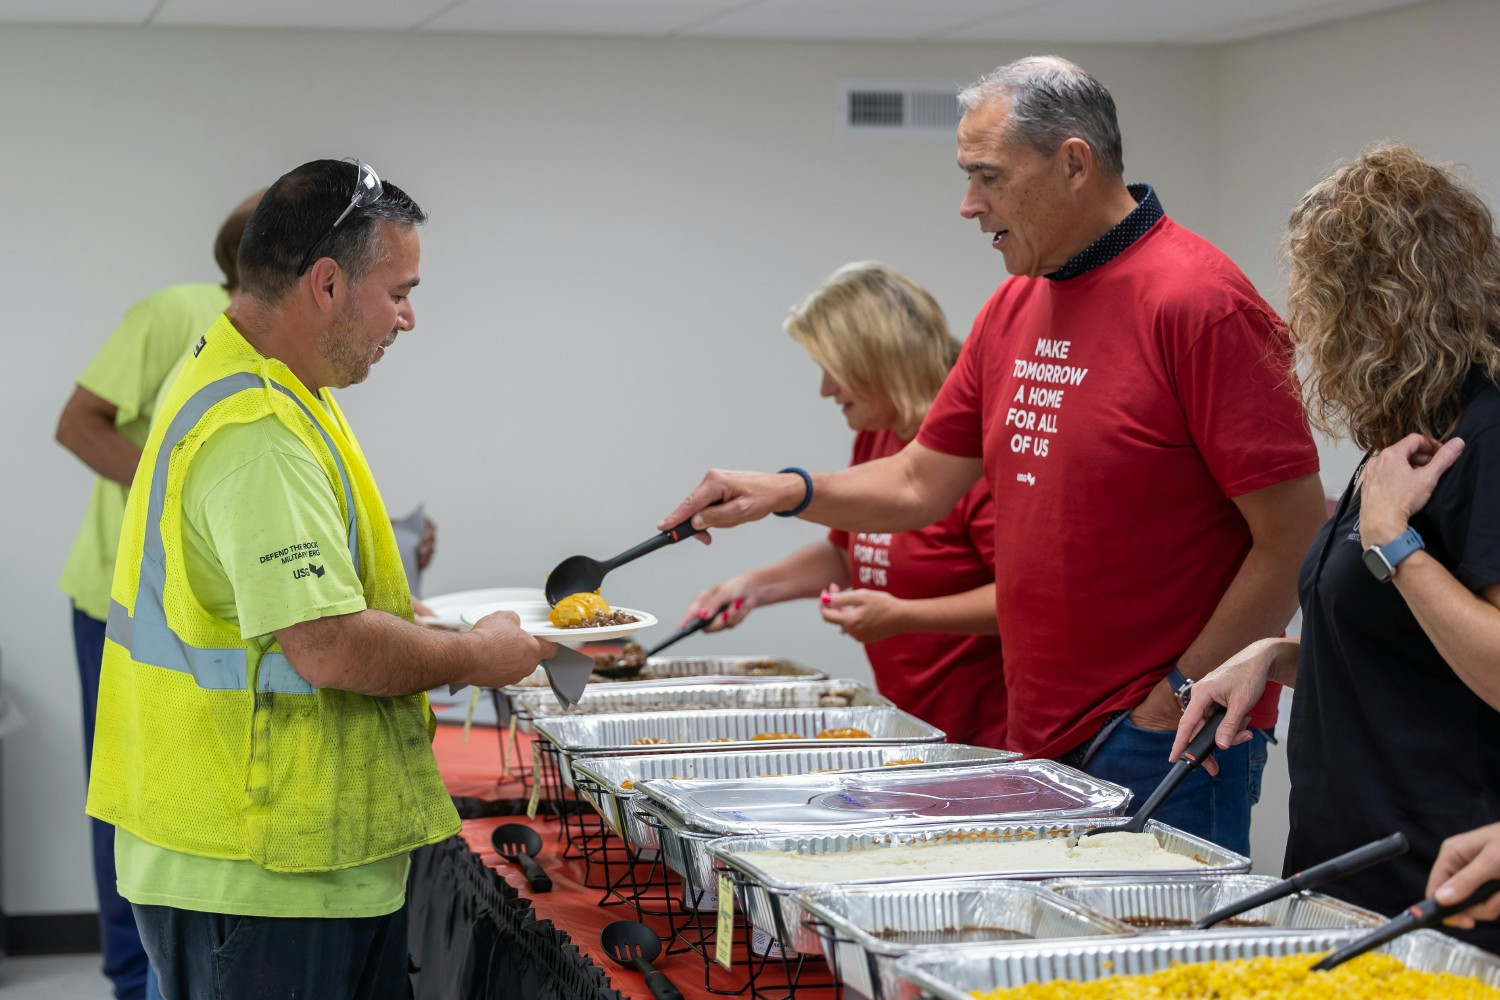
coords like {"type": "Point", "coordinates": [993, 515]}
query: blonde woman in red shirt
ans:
{"type": "Point", "coordinates": [922, 602]}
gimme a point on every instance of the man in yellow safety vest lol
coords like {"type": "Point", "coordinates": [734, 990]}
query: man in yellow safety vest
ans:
{"type": "Point", "coordinates": [263, 740]}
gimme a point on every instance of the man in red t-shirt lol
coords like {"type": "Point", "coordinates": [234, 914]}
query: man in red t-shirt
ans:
{"type": "Point", "coordinates": [1127, 395]}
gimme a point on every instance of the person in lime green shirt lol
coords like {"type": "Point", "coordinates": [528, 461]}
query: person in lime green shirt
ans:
{"type": "Point", "coordinates": [263, 737]}
{"type": "Point", "coordinates": [105, 423]}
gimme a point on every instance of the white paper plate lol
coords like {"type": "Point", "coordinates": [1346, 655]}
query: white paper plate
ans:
{"type": "Point", "coordinates": [533, 615]}
{"type": "Point", "coordinates": [448, 609]}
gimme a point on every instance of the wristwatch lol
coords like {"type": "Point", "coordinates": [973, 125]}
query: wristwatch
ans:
{"type": "Point", "coordinates": [1182, 686]}
{"type": "Point", "coordinates": [1382, 560]}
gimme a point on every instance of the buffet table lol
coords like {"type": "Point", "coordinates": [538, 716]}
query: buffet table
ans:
{"type": "Point", "coordinates": [477, 929]}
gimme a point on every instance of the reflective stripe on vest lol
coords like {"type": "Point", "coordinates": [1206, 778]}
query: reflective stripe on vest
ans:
{"type": "Point", "coordinates": [146, 636]}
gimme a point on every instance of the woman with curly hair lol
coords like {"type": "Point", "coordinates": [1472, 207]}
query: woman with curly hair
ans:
{"type": "Point", "coordinates": [1394, 307]}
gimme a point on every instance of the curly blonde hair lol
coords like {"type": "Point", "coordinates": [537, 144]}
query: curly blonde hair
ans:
{"type": "Point", "coordinates": [1394, 296]}
{"type": "Point", "coordinates": [880, 334]}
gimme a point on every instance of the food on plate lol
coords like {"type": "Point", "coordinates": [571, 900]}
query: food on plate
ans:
{"type": "Point", "coordinates": [587, 610]}
{"type": "Point", "coordinates": [777, 736]}
{"type": "Point", "coordinates": [843, 733]}
{"type": "Point", "coordinates": [974, 854]}
{"type": "Point", "coordinates": [1372, 976]}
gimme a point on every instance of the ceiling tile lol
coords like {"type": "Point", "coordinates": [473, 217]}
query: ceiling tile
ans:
{"type": "Point", "coordinates": [354, 15]}
{"type": "Point", "coordinates": [854, 20]}
{"type": "Point", "coordinates": [657, 18]}
{"type": "Point", "coordinates": [1155, 22]}
{"type": "Point", "coordinates": [75, 11]}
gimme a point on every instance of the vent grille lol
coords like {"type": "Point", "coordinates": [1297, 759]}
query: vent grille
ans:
{"type": "Point", "coordinates": [888, 107]}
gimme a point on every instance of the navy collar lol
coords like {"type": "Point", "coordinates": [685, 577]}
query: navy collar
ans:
{"type": "Point", "coordinates": [1113, 243]}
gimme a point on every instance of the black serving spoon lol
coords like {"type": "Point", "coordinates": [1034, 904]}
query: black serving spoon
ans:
{"type": "Point", "coordinates": [634, 944]}
{"type": "Point", "coordinates": [619, 672]}
{"type": "Point", "coordinates": [1345, 864]}
{"type": "Point", "coordinates": [582, 575]}
{"type": "Point", "coordinates": [519, 844]}
{"type": "Point", "coordinates": [1199, 750]}
{"type": "Point", "coordinates": [1429, 911]}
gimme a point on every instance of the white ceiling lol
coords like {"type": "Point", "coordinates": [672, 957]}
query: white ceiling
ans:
{"type": "Point", "coordinates": [1127, 22]}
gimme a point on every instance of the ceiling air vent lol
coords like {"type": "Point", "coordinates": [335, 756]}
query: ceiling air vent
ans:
{"type": "Point", "coordinates": [886, 107]}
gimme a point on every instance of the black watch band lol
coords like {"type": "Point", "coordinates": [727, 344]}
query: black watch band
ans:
{"type": "Point", "coordinates": [1182, 686]}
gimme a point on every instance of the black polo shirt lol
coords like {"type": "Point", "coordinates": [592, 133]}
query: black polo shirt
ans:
{"type": "Point", "coordinates": [1384, 735]}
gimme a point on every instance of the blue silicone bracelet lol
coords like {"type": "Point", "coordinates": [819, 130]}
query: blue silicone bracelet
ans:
{"type": "Point", "coordinates": [806, 499]}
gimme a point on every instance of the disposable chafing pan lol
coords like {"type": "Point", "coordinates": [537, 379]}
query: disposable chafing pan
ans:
{"type": "Point", "coordinates": [1022, 790]}
{"type": "Point", "coordinates": [605, 787]}
{"type": "Point", "coordinates": [727, 729]}
{"type": "Point", "coordinates": [955, 973]}
{"type": "Point", "coordinates": [869, 927]}
{"type": "Point", "coordinates": [695, 670]}
{"type": "Point", "coordinates": [632, 698]}
{"type": "Point", "coordinates": [770, 902]}
{"type": "Point", "coordinates": [1178, 903]}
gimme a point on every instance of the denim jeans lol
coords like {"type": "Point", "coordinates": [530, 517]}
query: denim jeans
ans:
{"type": "Point", "coordinates": [124, 959]}
{"type": "Point", "coordinates": [223, 956]}
{"type": "Point", "coordinates": [1216, 808]}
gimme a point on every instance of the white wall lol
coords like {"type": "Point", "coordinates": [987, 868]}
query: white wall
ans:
{"type": "Point", "coordinates": [618, 229]}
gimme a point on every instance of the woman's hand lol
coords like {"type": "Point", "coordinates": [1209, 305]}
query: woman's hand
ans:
{"type": "Point", "coordinates": [864, 615]}
{"type": "Point", "coordinates": [1398, 481]}
{"type": "Point", "coordinates": [1237, 684]}
{"type": "Point", "coordinates": [738, 593]}
{"type": "Point", "coordinates": [1466, 862]}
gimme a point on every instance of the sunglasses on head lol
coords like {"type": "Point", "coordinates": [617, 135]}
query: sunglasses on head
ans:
{"type": "Point", "coordinates": [367, 191]}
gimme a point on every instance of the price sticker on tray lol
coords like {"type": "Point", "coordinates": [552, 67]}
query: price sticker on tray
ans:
{"type": "Point", "coordinates": [536, 782]}
{"type": "Point", "coordinates": [724, 935]}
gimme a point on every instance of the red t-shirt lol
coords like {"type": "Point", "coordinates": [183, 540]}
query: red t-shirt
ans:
{"type": "Point", "coordinates": [1117, 413]}
{"type": "Point", "coordinates": [955, 682]}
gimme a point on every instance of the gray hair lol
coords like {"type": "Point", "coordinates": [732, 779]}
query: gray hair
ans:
{"type": "Point", "coordinates": [1051, 100]}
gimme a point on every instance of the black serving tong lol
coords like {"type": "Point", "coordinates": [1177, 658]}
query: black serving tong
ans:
{"type": "Point", "coordinates": [1345, 864]}
{"type": "Point", "coordinates": [519, 844]}
{"type": "Point", "coordinates": [619, 672]}
{"type": "Point", "coordinates": [1199, 750]}
{"type": "Point", "coordinates": [632, 943]}
{"type": "Point", "coordinates": [580, 574]}
{"type": "Point", "coordinates": [1429, 911]}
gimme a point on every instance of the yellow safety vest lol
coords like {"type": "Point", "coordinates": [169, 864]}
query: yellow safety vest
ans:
{"type": "Point", "coordinates": [206, 744]}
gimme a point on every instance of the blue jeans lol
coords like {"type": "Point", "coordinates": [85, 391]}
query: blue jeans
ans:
{"type": "Point", "coordinates": [225, 956]}
{"type": "Point", "coordinates": [1216, 808]}
{"type": "Point", "coordinates": [124, 959]}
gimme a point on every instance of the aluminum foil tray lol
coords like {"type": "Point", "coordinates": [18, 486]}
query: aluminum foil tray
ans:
{"type": "Point", "coordinates": [771, 905]}
{"type": "Point", "coordinates": [729, 729]}
{"type": "Point", "coordinates": [611, 773]}
{"type": "Point", "coordinates": [953, 974]}
{"type": "Point", "coordinates": [870, 927]}
{"type": "Point", "coordinates": [692, 670]}
{"type": "Point", "coordinates": [621, 698]}
{"type": "Point", "coordinates": [684, 851]}
{"type": "Point", "coordinates": [1176, 904]}
{"type": "Point", "coordinates": [1029, 790]}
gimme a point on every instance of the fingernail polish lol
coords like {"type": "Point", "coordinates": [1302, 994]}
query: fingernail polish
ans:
{"type": "Point", "coordinates": [827, 599]}
{"type": "Point", "coordinates": [725, 616]}
{"type": "Point", "coordinates": [737, 602]}
{"type": "Point", "coordinates": [704, 613]}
